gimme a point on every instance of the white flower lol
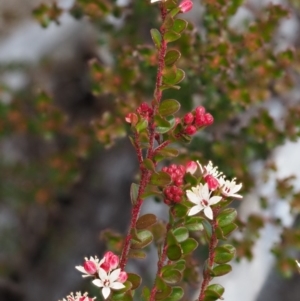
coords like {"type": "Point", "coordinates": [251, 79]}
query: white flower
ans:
{"type": "Point", "coordinates": [92, 260]}
{"type": "Point", "coordinates": [229, 188]}
{"type": "Point", "coordinates": [209, 169]}
{"type": "Point", "coordinates": [108, 281]}
{"type": "Point", "coordinates": [200, 196]}
{"type": "Point", "coordinates": [78, 297]}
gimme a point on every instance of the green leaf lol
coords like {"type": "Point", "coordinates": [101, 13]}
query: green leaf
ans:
{"type": "Point", "coordinates": [172, 276]}
{"type": "Point", "coordinates": [161, 179]}
{"type": "Point", "coordinates": [174, 252]}
{"type": "Point", "coordinates": [180, 265]}
{"type": "Point", "coordinates": [171, 36]}
{"type": "Point", "coordinates": [145, 293]}
{"type": "Point", "coordinates": [221, 270]}
{"type": "Point", "coordinates": [170, 4]}
{"type": "Point", "coordinates": [168, 107]}
{"type": "Point", "coordinates": [164, 125]}
{"type": "Point", "coordinates": [169, 73]}
{"type": "Point", "coordinates": [138, 254]}
{"type": "Point", "coordinates": [226, 217]}
{"type": "Point", "coordinates": [180, 75]}
{"type": "Point", "coordinates": [179, 25]}
{"type": "Point", "coordinates": [134, 190]}
{"type": "Point", "coordinates": [135, 280]}
{"type": "Point", "coordinates": [176, 294]}
{"type": "Point", "coordinates": [150, 190]}
{"type": "Point", "coordinates": [181, 234]}
{"type": "Point", "coordinates": [223, 255]}
{"type": "Point", "coordinates": [149, 164]}
{"type": "Point", "coordinates": [171, 239]}
{"type": "Point", "coordinates": [146, 221]}
{"type": "Point", "coordinates": [168, 152]}
{"type": "Point", "coordinates": [180, 210]}
{"type": "Point", "coordinates": [145, 237]}
{"type": "Point", "coordinates": [172, 57]}
{"type": "Point", "coordinates": [189, 246]}
{"type": "Point", "coordinates": [189, 178]}
{"type": "Point", "coordinates": [156, 37]}
{"type": "Point", "coordinates": [164, 290]}
{"type": "Point", "coordinates": [168, 23]}
{"type": "Point", "coordinates": [213, 292]}
{"type": "Point", "coordinates": [141, 125]}
{"type": "Point", "coordinates": [194, 223]}
{"type": "Point", "coordinates": [229, 229]}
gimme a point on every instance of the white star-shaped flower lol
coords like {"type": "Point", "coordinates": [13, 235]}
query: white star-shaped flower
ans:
{"type": "Point", "coordinates": [230, 188]}
{"type": "Point", "coordinates": [200, 196]}
{"type": "Point", "coordinates": [108, 281]}
{"type": "Point", "coordinates": [93, 260]}
{"type": "Point", "coordinates": [78, 297]}
{"type": "Point", "coordinates": [209, 169]}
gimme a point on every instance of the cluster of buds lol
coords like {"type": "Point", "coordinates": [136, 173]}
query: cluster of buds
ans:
{"type": "Point", "coordinates": [195, 120]}
{"type": "Point", "coordinates": [174, 192]}
{"type": "Point", "coordinates": [105, 272]}
{"type": "Point", "coordinates": [144, 111]}
{"type": "Point", "coordinates": [216, 187]}
{"type": "Point", "coordinates": [78, 297]}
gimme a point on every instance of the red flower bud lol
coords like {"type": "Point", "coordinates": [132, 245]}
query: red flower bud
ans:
{"type": "Point", "coordinates": [188, 118]}
{"type": "Point", "coordinates": [90, 267]}
{"type": "Point", "coordinates": [191, 167]}
{"type": "Point", "coordinates": [190, 130]}
{"type": "Point", "coordinates": [208, 119]}
{"type": "Point", "coordinates": [212, 182]}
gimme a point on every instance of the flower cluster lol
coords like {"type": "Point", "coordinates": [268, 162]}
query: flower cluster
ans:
{"type": "Point", "coordinates": [106, 273]}
{"type": "Point", "coordinates": [78, 297]}
{"type": "Point", "coordinates": [197, 119]}
{"type": "Point", "coordinates": [174, 192]}
{"type": "Point", "coordinates": [201, 195]}
{"type": "Point", "coordinates": [185, 6]}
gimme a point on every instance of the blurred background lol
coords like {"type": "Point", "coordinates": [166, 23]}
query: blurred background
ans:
{"type": "Point", "coordinates": [69, 73]}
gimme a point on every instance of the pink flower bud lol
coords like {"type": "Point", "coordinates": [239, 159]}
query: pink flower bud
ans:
{"type": "Point", "coordinates": [111, 259]}
{"type": "Point", "coordinates": [200, 111]}
{"type": "Point", "coordinates": [188, 118]}
{"type": "Point", "coordinates": [191, 167]}
{"type": "Point", "coordinates": [90, 267]}
{"type": "Point", "coordinates": [212, 182]}
{"type": "Point", "coordinates": [122, 277]}
{"type": "Point", "coordinates": [190, 130]}
{"type": "Point", "coordinates": [208, 119]}
{"type": "Point", "coordinates": [185, 6]}
{"type": "Point", "coordinates": [131, 118]}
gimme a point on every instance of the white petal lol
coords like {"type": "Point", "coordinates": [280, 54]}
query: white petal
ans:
{"type": "Point", "coordinates": [205, 191]}
{"type": "Point", "coordinates": [208, 212]}
{"type": "Point", "coordinates": [117, 285]}
{"type": "Point", "coordinates": [194, 210]}
{"type": "Point", "coordinates": [102, 274]}
{"type": "Point", "coordinates": [192, 197]}
{"type": "Point", "coordinates": [105, 292]}
{"type": "Point", "coordinates": [152, 1]}
{"type": "Point", "coordinates": [114, 275]}
{"type": "Point", "coordinates": [98, 282]}
{"type": "Point", "coordinates": [81, 269]}
{"type": "Point", "coordinates": [214, 200]}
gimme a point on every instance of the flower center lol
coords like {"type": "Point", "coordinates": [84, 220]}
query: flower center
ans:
{"type": "Point", "coordinates": [204, 203]}
{"type": "Point", "coordinates": [106, 282]}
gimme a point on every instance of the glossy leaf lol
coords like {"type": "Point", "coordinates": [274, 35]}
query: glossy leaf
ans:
{"type": "Point", "coordinates": [135, 280]}
{"type": "Point", "coordinates": [169, 73]}
{"type": "Point", "coordinates": [171, 36]}
{"type": "Point", "coordinates": [141, 125]}
{"type": "Point", "coordinates": [214, 292]}
{"type": "Point", "coordinates": [181, 234]}
{"type": "Point", "coordinates": [168, 107]}
{"type": "Point", "coordinates": [179, 25]}
{"type": "Point", "coordinates": [172, 57]}
{"type": "Point", "coordinates": [168, 152]}
{"type": "Point", "coordinates": [223, 255]}
{"type": "Point", "coordinates": [164, 125]}
{"type": "Point", "coordinates": [189, 246]}
{"type": "Point", "coordinates": [163, 289]}
{"type": "Point", "coordinates": [172, 276]}
{"type": "Point", "coordinates": [145, 293]}
{"type": "Point", "coordinates": [145, 237]}
{"type": "Point", "coordinates": [149, 164]}
{"type": "Point", "coordinates": [160, 179]}
{"type": "Point", "coordinates": [156, 37]}
{"type": "Point", "coordinates": [146, 221]}
{"type": "Point", "coordinates": [221, 270]}
{"type": "Point", "coordinates": [229, 229]}
{"type": "Point", "coordinates": [226, 217]}
{"type": "Point", "coordinates": [134, 189]}
{"type": "Point", "coordinates": [176, 294]}
{"type": "Point", "coordinates": [194, 223]}
{"type": "Point", "coordinates": [174, 252]}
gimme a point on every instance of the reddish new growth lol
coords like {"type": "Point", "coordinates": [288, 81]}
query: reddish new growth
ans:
{"type": "Point", "coordinates": [174, 192]}
{"type": "Point", "coordinates": [196, 120]}
{"type": "Point", "coordinates": [145, 111]}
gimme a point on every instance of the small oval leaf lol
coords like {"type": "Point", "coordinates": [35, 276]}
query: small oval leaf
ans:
{"type": "Point", "coordinates": [134, 189]}
{"type": "Point", "coordinates": [168, 107]}
{"type": "Point", "coordinates": [181, 234]}
{"type": "Point", "coordinates": [172, 57]}
{"type": "Point", "coordinates": [226, 217]}
{"type": "Point", "coordinates": [174, 252]}
{"type": "Point", "coordinates": [172, 276]}
{"type": "Point", "coordinates": [156, 37]}
{"type": "Point", "coordinates": [171, 36]}
{"type": "Point", "coordinates": [223, 255]}
{"type": "Point", "coordinates": [145, 221]}
{"type": "Point", "coordinates": [179, 25]}
{"type": "Point", "coordinates": [135, 280]}
{"type": "Point", "coordinates": [189, 246]}
{"type": "Point", "coordinates": [160, 179]}
{"type": "Point", "coordinates": [221, 270]}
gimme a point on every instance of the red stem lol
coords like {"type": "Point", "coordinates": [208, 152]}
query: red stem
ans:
{"type": "Point", "coordinates": [146, 174]}
{"type": "Point", "coordinates": [211, 256]}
